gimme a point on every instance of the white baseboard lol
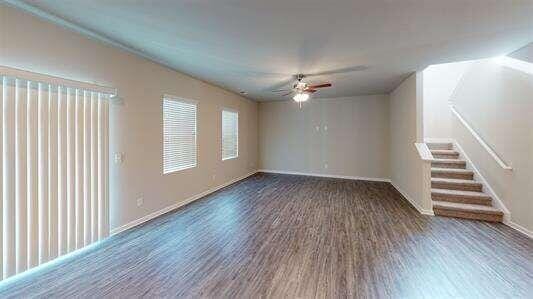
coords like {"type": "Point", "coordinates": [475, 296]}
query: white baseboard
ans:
{"type": "Point", "coordinates": [155, 214]}
{"type": "Point", "coordinates": [519, 228]}
{"type": "Point", "coordinates": [326, 175]}
{"type": "Point", "coordinates": [176, 205]}
{"type": "Point", "coordinates": [412, 201]}
{"type": "Point", "coordinates": [496, 200]}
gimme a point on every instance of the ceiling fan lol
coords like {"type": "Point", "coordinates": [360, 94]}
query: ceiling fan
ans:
{"type": "Point", "coordinates": [300, 90]}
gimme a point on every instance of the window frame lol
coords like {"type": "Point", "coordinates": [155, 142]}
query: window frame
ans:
{"type": "Point", "coordinates": [186, 101]}
{"type": "Point", "coordinates": [222, 134]}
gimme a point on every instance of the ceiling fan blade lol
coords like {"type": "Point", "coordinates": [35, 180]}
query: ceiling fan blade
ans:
{"type": "Point", "coordinates": [323, 85]}
{"type": "Point", "coordinates": [357, 68]}
{"type": "Point", "coordinates": [288, 93]}
{"type": "Point", "coordinates": [310, 90]}
{"type": "Point", "coordinates": [282, 90]}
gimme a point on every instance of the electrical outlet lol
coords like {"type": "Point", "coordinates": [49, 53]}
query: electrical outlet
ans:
{"type": "Point", "coordinates": [317, 128]}
{"type": "Point", "coordinates": [325, 128]}
{"type": "Point", "coordinates": [140, 201]}
{"type": "Point", "coordinates": [325, 165]}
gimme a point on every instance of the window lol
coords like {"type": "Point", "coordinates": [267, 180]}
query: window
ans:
{"type": "Point", "coordinates": [54, 142]}
{"type": "Point", "coordinates": [179, 134]}
{"type": "Point", "coordinates": [230, 134]}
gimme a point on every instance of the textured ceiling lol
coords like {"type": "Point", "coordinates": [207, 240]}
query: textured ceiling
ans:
{"type": "Point", "coordinates": [256, 45]}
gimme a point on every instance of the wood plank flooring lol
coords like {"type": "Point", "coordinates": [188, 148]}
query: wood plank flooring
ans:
{"type": "Point", "coordinates": [275, 236]}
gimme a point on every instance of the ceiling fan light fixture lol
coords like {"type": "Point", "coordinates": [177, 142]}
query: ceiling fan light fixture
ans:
{"type": "Point", "coordinates": [301, 97]}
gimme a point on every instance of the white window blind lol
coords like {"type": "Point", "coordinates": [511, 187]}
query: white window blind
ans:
{"type": "Point", "coordinates": [54, 157]}
{"type": "Point", "coordinates": [179, 134]}
{"type": "Point", "coordinates": [230, 134]}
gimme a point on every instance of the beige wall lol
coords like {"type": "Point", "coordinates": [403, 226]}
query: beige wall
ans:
{"type": "Point", "coordinates": [406, 167]}
{"type": "Point", "coordinates": [136, 127]}
{"type": "Point", "coordinates": [355, 144]}
{"type": "Point", "coordinates": [439, 84]}
{"type": "Point", "coordinates": [497, 103]}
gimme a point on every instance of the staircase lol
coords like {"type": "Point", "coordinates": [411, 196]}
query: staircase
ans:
{"type": "Point", "coordinates": [454, 191]}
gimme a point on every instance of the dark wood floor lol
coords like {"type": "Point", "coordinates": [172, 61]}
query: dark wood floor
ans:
{"type": "Point", "coordinates": [294, 236]}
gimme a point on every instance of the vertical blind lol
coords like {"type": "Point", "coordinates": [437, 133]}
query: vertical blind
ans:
{"type": "Point", "coordinates": [179, 134]}
{"type": "Point", "coordinates": [54, 165]}
{"type": "Point", "coordinates": [230, 134]}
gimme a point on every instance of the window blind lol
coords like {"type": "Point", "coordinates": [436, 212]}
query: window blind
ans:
{"type": "Point", "coordinates": [54, 166]}
{"type": "Point", "coordinates": [179, 134]}
{"type": "Point", "coordinates": [230, 134]}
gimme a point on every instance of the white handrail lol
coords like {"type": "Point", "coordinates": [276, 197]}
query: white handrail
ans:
{"type": "Point", "coordinates": [480, 140]}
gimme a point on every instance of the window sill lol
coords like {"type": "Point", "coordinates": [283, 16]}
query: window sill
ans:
{"type": "Point", "coordinates": [179, 169]}
{"type": "Point", "coordinates": [229, 158]}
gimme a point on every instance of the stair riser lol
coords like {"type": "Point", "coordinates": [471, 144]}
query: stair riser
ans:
{"type": "Point", "coordinates": [468, 215]}
{"type": "Point", "coordinates": [447, 175]}
{"type": "Point", "coordinates": [440, 146]}
{"type": "Point", "coordinates": [448, 165]}
{"type": "Point", "coordinates": [457, 186]}
{"type": "Point", "coordinates": [461, 199]}
{"type": "Point", "coordinates": [446, 156]}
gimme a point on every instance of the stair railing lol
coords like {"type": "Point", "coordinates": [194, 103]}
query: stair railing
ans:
{"type": "Point", "coordinates": [480, 140]}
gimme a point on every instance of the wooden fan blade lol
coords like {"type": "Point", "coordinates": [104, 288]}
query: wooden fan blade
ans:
{"type": "Point", "coordinates": [281, 90]}
{"type": "Point", "coordinates": [310, 90]}
{"type": "Point", "coordinates": [288, 93]}
{"type": "Point", "coordinates": [319, 85]}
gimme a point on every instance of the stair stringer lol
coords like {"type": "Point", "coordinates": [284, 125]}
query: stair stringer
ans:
{"type": "Point", "coordinates": [496, 200]}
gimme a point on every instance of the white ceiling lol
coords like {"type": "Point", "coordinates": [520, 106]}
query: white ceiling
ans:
{"type": "Point", "coordinates": [255, 45]}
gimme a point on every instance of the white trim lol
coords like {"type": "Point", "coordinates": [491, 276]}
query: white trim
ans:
{"type": "Point", "coordinates": [480, 140]}
{"type": "Point", "coordinates": [357, 178]}
{"type": "Point", "coordinates": [176, 205]}
{"type": "Point", "coordinates": [424, 152]}
{"type": "Point", "coordinates": [497, 202]}
{"type": "Point", "coordinates": [412, 201]}
{"type": "Point", "coordinates": [54, 80]}
{"type": "Point", "coordinates": [519, 228]}
{"type": "Point", "coordinates": [409, 199]}
{"type": "Point", "coordinates": [229, 110]}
